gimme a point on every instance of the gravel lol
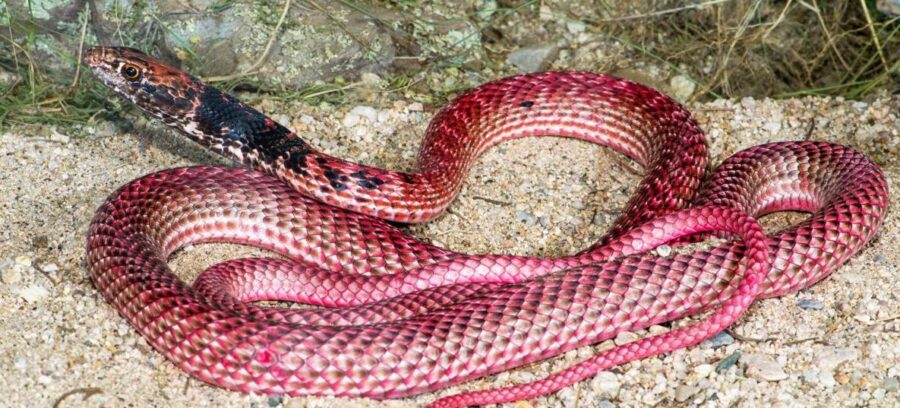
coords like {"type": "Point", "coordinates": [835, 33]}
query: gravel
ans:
{"type": "Point", "coordinates": [62, 341]}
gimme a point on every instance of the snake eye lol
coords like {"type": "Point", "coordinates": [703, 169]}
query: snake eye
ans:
{"type": "Point", "coordinates": [131, 72]}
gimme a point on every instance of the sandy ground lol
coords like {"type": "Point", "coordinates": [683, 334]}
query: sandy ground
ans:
{"type": "Point", "coordinates": [835, 344]}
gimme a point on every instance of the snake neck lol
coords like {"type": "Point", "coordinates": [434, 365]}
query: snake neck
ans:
{"type": "Point", "coordinates": [233, 129]}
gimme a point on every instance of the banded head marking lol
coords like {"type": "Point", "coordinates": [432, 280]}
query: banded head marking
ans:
{"type": "Point", "coordinates": [157, 88]}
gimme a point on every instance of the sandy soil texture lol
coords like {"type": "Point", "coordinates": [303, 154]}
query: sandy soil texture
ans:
{"type": "Point", "coordinates": [837, 343]}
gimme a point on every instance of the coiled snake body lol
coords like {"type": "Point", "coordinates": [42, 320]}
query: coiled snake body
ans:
{"type": "Point", "coordinates": [402, 317]}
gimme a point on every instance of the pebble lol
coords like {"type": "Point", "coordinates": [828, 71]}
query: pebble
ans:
{"type": "Point", "coordinates": [11, 276]}
{"type": "Point", "coordinates": [575, 27]}
{"type": "Point", "coordinates": [728, 362]}
{"type": "Point", "coordinates": [275, 400]}
{"type": "Point", "coordinates": [526, 217]}
{"type": "Point", "coordinates": [283, 119]}
{"type": "Point", "coordinates": [891, 384]}
{"type": "Point", "coordinates": [50, 268]}
{"type": "Point", "coordinates": [773, 126]}
{"type": "Point", "coordinates": [533, 59]}
{"type": "Point", "coordinates": [106, 129]}
{"type": "Point", "coordinates": [9, 78]}
{"type": "Point", "coordinates": [704, 370]}
{"type": "Point", "coordinates": [353, 117]}
{"type": "Point", "coordinates": [810, 304]}
{"type": "Point", "coordinates": [684, 392]}
{"type": "Point", "coordinates": [605, 404]}
{"type": "Point", "coordinates": [23, 260]}
{"type": "Point", "coordinates": [682, 87]}
{"type": "Point", "coordinates": [605, 384]}
{"type": "Point", "coordinates": [763, 367]}
{"type": "Point", "coordinates": [21, 363]}
{"type": "Point", "coordinates": [663, 250]}
{"type": "Point", "coordinates": [719, 340]}
{"type": "Point", "coordinates": [33, 293]}
{"type": "Point", "coordinates": [626, 337]}
{"type": "Point", "coordinates": [58, 137]}
{"type": "Point", "coordinates": [832, 358]}
{"type": "Point", "coordinates": [826, 363]}
{"type": "Point", "coordinates": [370, 79]}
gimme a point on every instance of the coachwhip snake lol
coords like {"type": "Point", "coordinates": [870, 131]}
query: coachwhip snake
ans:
{"type": "Point", "coordinates": [398, 316]}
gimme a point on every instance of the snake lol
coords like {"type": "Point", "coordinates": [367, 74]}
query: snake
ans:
{"type": "Point", "coordinates": [388, 315]}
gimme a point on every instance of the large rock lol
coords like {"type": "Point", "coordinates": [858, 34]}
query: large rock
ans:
{"type": "Point", "coordinates": [215, 37]}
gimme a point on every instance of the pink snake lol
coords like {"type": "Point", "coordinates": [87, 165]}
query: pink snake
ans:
{"type": "Point", "coordinates": [398, 316]}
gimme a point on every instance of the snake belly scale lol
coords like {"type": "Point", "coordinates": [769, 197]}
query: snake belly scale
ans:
{"type": "Point", "coordinates": [397, 316]}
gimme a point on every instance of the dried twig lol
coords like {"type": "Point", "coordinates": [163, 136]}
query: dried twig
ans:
{"type": "Point", "coordinates": [88, 392]}
{"type": "Point", "coordinates": [80, 52]}
{"type": "Point", "coordinates": [831, 41]}
{"type": "Point", "coordinates": [875, 39]}
{"type": "Point", "coordinates": [663, 12]}
{"type": "Point", "coordinates": [741, 337]}
{"type": "Point", "coordinates": [492, 201]}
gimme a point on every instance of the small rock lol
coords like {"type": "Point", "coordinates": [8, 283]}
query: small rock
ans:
{"type": "Point", "coordinates": [353, 117]}
{"type": "Point", "coordinates": [625, 337]}
{"type": "Point", "coordinates": [860, 106]}
{"type": "Point", "coordinates": [657, 330]}
{"type": "Point", "coordinates": [370, 79]}
{"type": "Point", "coordinates": [810, 304]}
{"type": "Point", "coordinates": [599, 219]}
{"type": "Point", "coordinates": [605, 404]}
{"type": "Point", "coordinates": [663, 250]}
{"type": "Point", "coordinates": [763, 367]}
{"type": "Point", "coordinates": [23, 260]}
{"type": "Point", "coordinates": [415, 107]}
{"type": "Point", "coordinates": [684, 392]}
{"type": "Point", "coordinates": [11, 276]}
{"type": "Point", "coordinates": [704, 370]}
{"type": "Point", "coordinates": [21, 364]}
{"type": "Point", "coordinates": [728, 362]}
{"type": "Point", "coordinates": [832, 358]}
{"type": "Point", "coordinates": [827, 362]}
{"type": "Point", "coordinates": [50, 268]}
{"type": "Point", "coordinates": [526, 217]}
{"type": "Point", "coordinates": [889, 7]}
{"type": "Point", "coordinates": [773, 126]}
{"type": "Point", "coordinates": [275, 400]}
{"type": "Point", "coordinates": [34, 293]}
{"type": "Point", "coordinates": [575, 27]}
{"type": "Point", "coordinates": [533, 59]}
{"type": "Point", "coordinates": [605, 384]}
{"type": "Point", "coordinates": [283, 119]}
{"type": "Point", "coordinates": [682, 87]}
{"type": "Point", "coordinates": [106, 129]}
{"type": "Point", "coordinates": [606, 346]}
{"type": "Point", "coordinates": [719, 340]}
{"type": "Point", "coordinates": [58, 137]}
{"type": "Point", "coordinates": [891, 384]}
{"type": "Point", "coordinates": [7, 79]}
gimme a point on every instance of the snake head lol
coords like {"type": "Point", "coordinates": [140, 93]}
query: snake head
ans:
{"type": "Point", "coordinates": [157, 88]}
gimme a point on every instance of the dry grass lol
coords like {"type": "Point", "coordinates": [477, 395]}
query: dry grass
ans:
{"type": "Point", "coordinates": [732, 48]}
{"type": "Point", "coordinates": [768, 48]}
